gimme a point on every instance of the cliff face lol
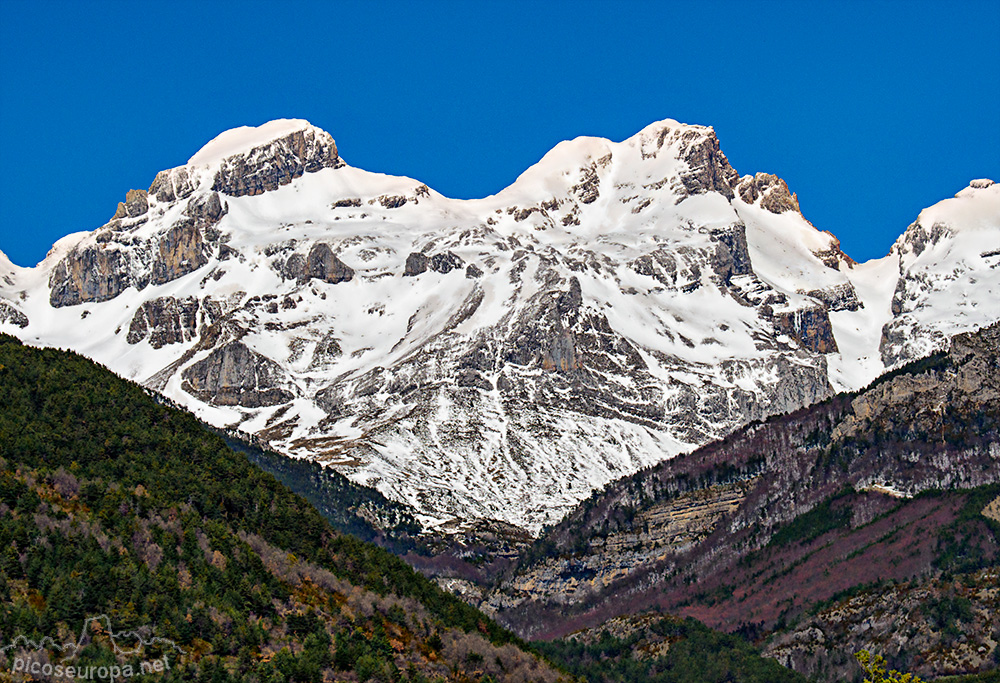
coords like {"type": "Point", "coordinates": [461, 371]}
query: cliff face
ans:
{"type": "Point", "coordinates": [278, 162]}
{"type": "Point", "coordinates": [937, 626]}
{"type": "Point", "coordinates": [166, 320]}
{"type": "Point", "coordinates": [114, 257]}
{"type": "Point", "coordinates": [498, 358]}
{"type": "Point", "coordinates": [235, 375]}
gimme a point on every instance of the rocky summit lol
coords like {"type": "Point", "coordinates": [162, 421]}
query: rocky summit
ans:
{"type": "Point", "coordinates": [499, 358]}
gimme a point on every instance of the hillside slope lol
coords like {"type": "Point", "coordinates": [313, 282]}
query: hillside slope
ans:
{"type": "Point", "coordinates": [113, 504]}
{"type": "Point", "coordinates": [895, 483]}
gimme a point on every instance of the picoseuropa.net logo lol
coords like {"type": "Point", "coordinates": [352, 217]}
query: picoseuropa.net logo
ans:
{"type": "Point", "coordinates": [28, 659]}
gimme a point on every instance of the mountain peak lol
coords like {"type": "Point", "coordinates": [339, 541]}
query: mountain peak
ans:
{"type": "Point", "coordinates": [973, 208]}
{"type": "Point", "coordinates": [247, 138]}
{"type": "Point", "coordinates": [250, 160]}
{"type": "Point", "coordinates": [981, 183]}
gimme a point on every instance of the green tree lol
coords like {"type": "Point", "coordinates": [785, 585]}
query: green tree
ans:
{"type": "Point", "coordinates": [875, 670]}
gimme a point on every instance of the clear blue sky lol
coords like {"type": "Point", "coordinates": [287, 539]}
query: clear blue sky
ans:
{"type": "Point", "coordinates": [870, 110]}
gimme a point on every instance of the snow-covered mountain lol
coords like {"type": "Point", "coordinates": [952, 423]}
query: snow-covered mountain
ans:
{"type": "Point", "coordinates": [499, 357]}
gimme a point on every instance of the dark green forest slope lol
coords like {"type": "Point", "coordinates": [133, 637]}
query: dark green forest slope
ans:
{"type": "Point", "coordinates": [113, 504]}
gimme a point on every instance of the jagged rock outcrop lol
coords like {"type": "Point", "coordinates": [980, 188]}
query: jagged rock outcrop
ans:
{"type": "Point", "coordinates": [269, 166]}
{"type": "Point", "coordinates": [416, 263]}
{"type": "Point", "coordinates": [9, 314]}
{"type": "Point", "coordinates": [169, 320]}
{"type": "Point", "coordinates": [235, 375]}
{"type": "Point", "coordinates": [172, 184]}
{"type": "Point", "coordinates": [179, 251]}
{"type": "Point", "coordinates": [842, 297]}
{"type": "Point", "coordinates": [135, 204]}
{"type": "Point", "coordinates": [102, 270]}
{"type": "Point", "coordinates": [943, 627]}
{"type": "Point", "coordinates": [549, 340]}
{"type": "Point", "coordinates": [589, 187]}
{"type": "Point", "coordinates": [810, 326]}
{"type": "Point", "coordinates": [731, 257]}
{"type": "Point", "coordinates": [105, 265]}
{"type": "Point", "coordinates": [771, 190]}
{"type": "Point", "coordinates": [326, 351]}
{"type": "Point", "coordinates": [708, 167]}
{"type": "Point", "coordinates": [320, 263]}
{"type": "Point", "coordinates": [95, 273]}
{"type": "Point", "coordinates": [206, 210]}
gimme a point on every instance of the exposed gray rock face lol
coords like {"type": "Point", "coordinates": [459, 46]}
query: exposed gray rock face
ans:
{"type": "Point", "coordinates": [179, 251]}
{"type": "Point", "coordinates": [833, 257]}
{"type": "Point", "coordinates": [771, 190]}
{"type": "Point", "coordinates": [166, 320]}
{"type": "Point", "coordinates": [810, 326]}
{"type": "Point", "coordinates": [975, 382]}
{"type": "Point", "coordinates": [948, 260]}
{"type": "Point", "coordinates": [9, 314]}
{"type": "Point", "coordinates": [589, 188]}
{"type": "Point", "coordinates": [392, 201]}
{"type": "Point", "coordinates": [547, 363]}
{"type": "Point", "coordinates": [135, 205]}
{"type": "Point", "coordinates": [731, 256]}
{"type": "Point", "coordinates": [277, 163]}
{"type": "Point", "coordinates": [320, 263]}
{"type": "Point", "coordinates": [708, 168]}
{"type": "Point", "coordinates": [714, 518]}
{"type": "Point", "coordinates": [234, 375]}
{"type": "Point", "coordinates": [95, 273]}
{"type": "Point", "coordinates": [898, 620]}
{"type": "Point", "coordinates": [669, 527]}
{"type": "Point", "coordinates": [838, 298]}
{"type": "Point", "coordinates": [416, 263]}
{"type": "Point", "coordinates": [172, 184]}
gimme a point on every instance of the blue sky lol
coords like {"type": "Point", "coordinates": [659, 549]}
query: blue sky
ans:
{"type": "Point", "coordinates": [869, 110]}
